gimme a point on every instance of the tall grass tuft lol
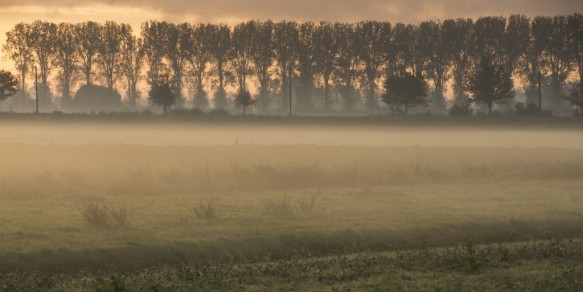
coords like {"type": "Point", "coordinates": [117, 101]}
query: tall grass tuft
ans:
{"type": "Point", "coordinates": [96, 215]}
{"type": "Point", "coordinates": [281, 207]}
{"type": "Point", "coordinates": [207, 208]}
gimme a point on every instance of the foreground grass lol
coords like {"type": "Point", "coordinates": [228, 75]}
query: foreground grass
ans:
{"type": "Point", "coordinates": [535, 266]}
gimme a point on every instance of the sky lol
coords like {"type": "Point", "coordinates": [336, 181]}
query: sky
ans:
{"type": "Point", "coordinates": [135, 12]}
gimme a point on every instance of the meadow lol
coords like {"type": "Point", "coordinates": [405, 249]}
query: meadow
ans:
{"type": "Point", "coordinates": [242, 205]}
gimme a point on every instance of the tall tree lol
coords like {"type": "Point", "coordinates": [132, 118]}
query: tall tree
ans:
{"type": "Point", "coordinates": [66, 58]}
{"type": "Point", "coordinates": [132, 60]}
{"type": "Point", "coordinates": [42, 44]}
{"type": "Point", "coordinates": [221, 53]}
{"type": "Point", "coordinates": [408, 54]}
{"type": "Point", "coordinates": [200, 56]}
{"type": "Point", "coordinates": [458, 37]}
{"type": "Point", "coordinates": [436, 60]}
{"type": "Point", "coordinates": [286, 38]}
{"type": "Point", "coordinates": [306, 65]}
{"type": "Point", "coordinates": [489, 82]}
{"type": "Point", "coordinates": [532, 67]}
{"type": "Point", "coordinates": [516, 41]}
{"type": "Point", "coordinates": [242, 39]}
{"type": "Point", "coordinates": [558, 58]}
{"type": "Point", "coordinates": [263, 56]}
{"type": "Point", "coordinates": [575, 23]}
{"type": "Point", "coordinates": [325, 50]}
{"type": "Point", "coordinates": [110, 51]}
{"type": "Point", "coordinates": [153, 38]}
{"type": "Point", "coordinates": [177, 51]}
{"type": "Point", "coordinates": [89, 36]}
{"type": "Point", "coordinates": [17, 49]}
{"type": "Point", "coordinates": [347, 66]}
{"type": "Point", "coordinates": [374, 37]}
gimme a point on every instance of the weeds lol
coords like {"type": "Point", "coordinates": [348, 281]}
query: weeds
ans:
{"type": "Point", "coordinates": [95, 214]}
{"type": "Point", "coordinates": [281, 207]}
{"type": "Point", "coordinates": [207, 208]}
{"type": "Point", "coordinates": [102, 216]}
{"type": "Point", "coordinates": [307, 206]}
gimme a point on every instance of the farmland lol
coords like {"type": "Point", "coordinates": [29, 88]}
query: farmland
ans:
{"type": "Point", "coordinates": [180, 205]}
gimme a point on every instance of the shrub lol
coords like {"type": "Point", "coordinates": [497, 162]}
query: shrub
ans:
{"type": "Point", "coordinates": [308, 205]}
{"type": "Point", "coordinates": [120, 215]}
{"type": "Point", "coordinates": [463, 110]}
{"type": "Point", "coordinates": [281, 207]}
{"type": "Point", "coordinates": [219, 112]}
{"type": "Point", "coordinates": [95, 214]}
{"type": "Point", "coordinates": [207, 208]}
{"type": "Point", "coordinates": [102, 216]}
{"type": "Point", "coordinates": [529, 110]}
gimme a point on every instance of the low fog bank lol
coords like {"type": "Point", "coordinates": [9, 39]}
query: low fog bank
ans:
{"type": "Point", "coordinates": [201, 134]}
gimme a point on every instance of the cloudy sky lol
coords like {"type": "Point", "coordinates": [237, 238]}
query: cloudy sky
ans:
{"type": "Point", "coordinates": [232, 11]}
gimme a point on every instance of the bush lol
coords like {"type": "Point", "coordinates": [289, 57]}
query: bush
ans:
{"type": "Point", "coordinates": [95, 214]}
{"type": "Point", "coordinates": [279, 207]}
{"type": "Point", "coordinates": [102, 216]}
{"type": "Point", "coordinates": [530, 110]}
{"type": "Point", "coordinates": [219, 112]}
{"type": "Point", "coordinates": [93, 98]}
{"type": "Point", "coordinates": [463, 110]}
{"type": "Point", "coordinates": [186, 112]}
{"type": "Point", "coordinates": [207, 208]}
{"type": "Point", "coordinates": [307, 206]}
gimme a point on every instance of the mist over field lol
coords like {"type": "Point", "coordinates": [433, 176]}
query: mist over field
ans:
{"type": "Point", "coordinates": [197, 200]}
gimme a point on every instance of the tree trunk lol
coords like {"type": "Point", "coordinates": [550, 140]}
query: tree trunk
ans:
{"type": "Point", "coordinates": [490, 109]}
{"type": "Point", "coordinates": [406, 110]}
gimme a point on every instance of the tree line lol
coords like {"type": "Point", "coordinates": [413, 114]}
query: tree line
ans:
{"type": "Point", "coordinates": [326, 65]}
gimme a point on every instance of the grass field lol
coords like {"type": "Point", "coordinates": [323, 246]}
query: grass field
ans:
{"type": "Point", "coordinates": [115, 206]}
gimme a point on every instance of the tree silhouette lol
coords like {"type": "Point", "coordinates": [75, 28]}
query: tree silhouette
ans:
{"type": "Point", "coordinates": [89, 37]}
{"type": "Point", "coordinates": [221, 53]}
{"type": "Point", "coordinates": [17, 48]}
{"type": "Point", "coordinates": [262, 55]}
{"type": "Point", "coordinates": [286, 38]}
{"type": "Point", "coordinates": [66, 58]}
{"type": "Point", "coordinates": [458, 37]}
{"type": "Point", "coordinates": [162, 94]}
{"type": "Point", "coordinates": [110, 51]}
{"type": "Point", "coordinates": [489, 82]}
{"type": "Point", "coordinates": [244, 100]}
{"type": "Point", "coordinates": [8, 85]}
{"type": "Point", "coordinates": [325, 53]}
{"type": "Point", "coordinates": [132, 60]}
{"type": "Point", "coordinates": [42, 44]}
{"type": "Point", "coordinates": [199, 57]}
{"type": "Point", "coordinates": [373, 37]}
{"type": "Point", "coordinates": [405, 90]}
